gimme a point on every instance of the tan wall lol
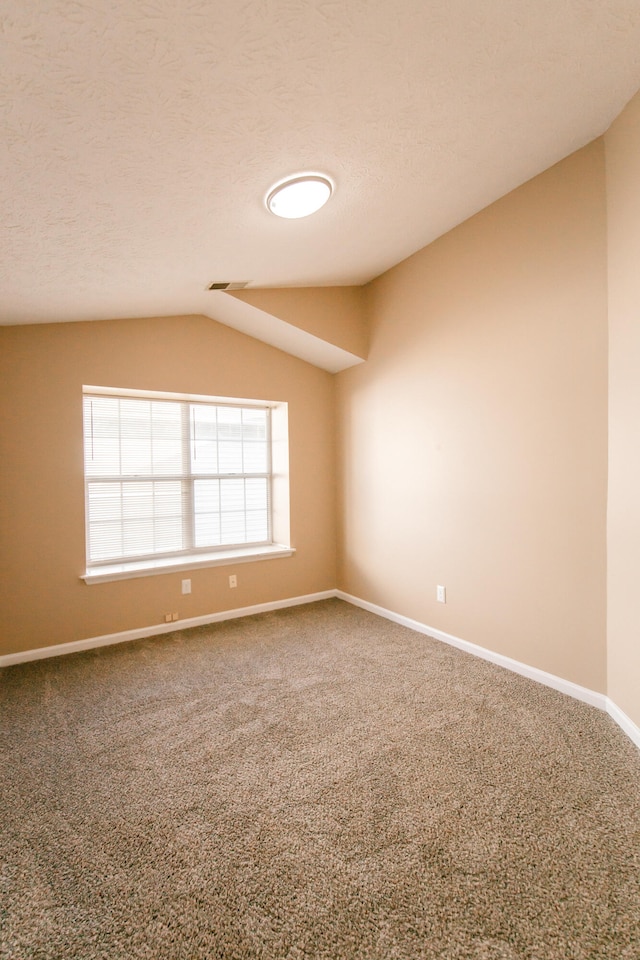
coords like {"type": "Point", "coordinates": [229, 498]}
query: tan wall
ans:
{"type": "Point", "coordinates": [473, 441]}
{"type": "Point", "coordinates": [42, 552]}
{"type": "Point", "coordinates": [623, 197]}
{"type": "Point", "coordinates": [335, 314]}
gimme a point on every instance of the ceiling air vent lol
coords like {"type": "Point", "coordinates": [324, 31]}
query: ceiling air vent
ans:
{"type": "Point", "coordinates": [227, 285]}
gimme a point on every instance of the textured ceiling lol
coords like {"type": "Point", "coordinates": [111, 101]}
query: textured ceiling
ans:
{"type": "Point", "coordinates": [139, 138]}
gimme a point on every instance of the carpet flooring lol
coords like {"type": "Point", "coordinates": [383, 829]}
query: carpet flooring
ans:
{"type": "Point", "coordinates": [310, 783]}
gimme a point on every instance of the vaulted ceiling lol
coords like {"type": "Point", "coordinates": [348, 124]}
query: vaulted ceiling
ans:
{"type": "Point", "coordinates": [139, 139]}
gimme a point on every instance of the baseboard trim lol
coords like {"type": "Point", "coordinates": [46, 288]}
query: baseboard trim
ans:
{"type": "Point", "coordinates": [567, 687]}
{"type": "Point", "coordinates": [75, 646]}
{"type": "Point", "coordinates": [624, 722]}
{"type": "Point", "coordinates": [571, 689]}
{"type": "Point", "coordinates": [532, 673]}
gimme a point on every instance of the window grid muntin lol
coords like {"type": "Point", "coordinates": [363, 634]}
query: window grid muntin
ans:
{"type": "Point", "coordinates": [188, 478]}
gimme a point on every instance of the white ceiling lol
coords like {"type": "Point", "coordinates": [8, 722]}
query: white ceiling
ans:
{"type": "Point", "coordinates": [139, 137]}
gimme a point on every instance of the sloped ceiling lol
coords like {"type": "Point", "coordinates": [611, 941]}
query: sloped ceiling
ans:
{"type": "Point", "coordinates": [139, 140]}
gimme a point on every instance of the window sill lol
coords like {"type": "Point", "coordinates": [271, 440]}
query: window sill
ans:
{"type": "Point", "coordinates": [148, 568]}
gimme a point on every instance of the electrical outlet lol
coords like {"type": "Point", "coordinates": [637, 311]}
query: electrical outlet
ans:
{"type": "Point", "coordinates": [186, 586]}
{"type": "Point", "coordinates": [233, 580]}
{"type": "Point", "coordinates": [167, 618]}
{"type": "Point", "coordinates": [174, 616]}
{"type": "Point", "coordinates": [441, 594]}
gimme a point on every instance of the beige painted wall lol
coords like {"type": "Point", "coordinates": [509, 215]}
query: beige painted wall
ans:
{"type": "Point", "coordinates": [335, 314]}
{"type": "Point", "coordinates": [473, 442]}
{"type": "Point", "coordinates": [42, 552]}
{"type": "Point", "coordinates": [623, 198]}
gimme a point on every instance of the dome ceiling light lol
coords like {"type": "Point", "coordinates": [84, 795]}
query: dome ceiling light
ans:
{"type": "Point", "coordinates": [299, 196]}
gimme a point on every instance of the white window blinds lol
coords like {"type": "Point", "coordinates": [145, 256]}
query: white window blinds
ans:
{"type": "Point", "coordinates": [172, 477]}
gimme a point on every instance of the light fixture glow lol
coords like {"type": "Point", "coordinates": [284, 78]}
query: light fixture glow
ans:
{"type": "Point", "coordinates": [299, 196]}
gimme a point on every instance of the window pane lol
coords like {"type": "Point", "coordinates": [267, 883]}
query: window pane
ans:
{"type": "Point", "coordinates": [104, 506]}
{"type": "Point", "coordinates": [102, 456]}
{"type": "Point", "coordinates": [105, 541]}
{"type": "Point", "coordinates": [167, 449]}
{"type": "Point", "coordinates": [206, 504]}
{"type": "Point", "coordinates": [204, 421]}
{"type": "Point", "coordinates": [207, 529]}
{"type": "Point", "coordinates": [167, 420]}
{"type": "Point", "coordinates": [229, 456]}
{"type": "Point", "coordinates": [101, 436]}
{"type": "Point", "coordinates": [166, 457]}
{"type": "Point", "coordinates": [129, 441]}
{"type": "Point", "coordinates": [256, 493]}
{"type": "Point", "coordinates": [168, 499]}
{"type": "Point", "coordinates": [137, 537]}
{"type": "Point", "coordinates": [228, 440]}
{"type": "Point", "coordinates": [104, 501]}
{"type": "Point", "coordinates": [149, 517]}
{"type": "Point", "coordinates": [135, 419]}
{"type": "Point", "coordinates": [206, 496]}
{"type": "Point", "coordinates": [255, 457]}
{"type": "Point", "coordinates": [102, 416]}
{"type": "Point", "coordinates": [232, 527]}
{"type": "Point", "coordinates": [135, 456]}
{"type": "Point", "coordinates": [167, 534]}
{"type": "Point", "coordinates": [254, 424]}
{"type": "Point", "coordinates": [231, 495]}
{"type": "Point", "coordinates": [231, 511]}
{"type": "Point", "coordinates": [254, 432]}
{"type": "Point", "coordinates": [204, 456]}
{"type": "Point", "coordinates": [230, 423]}
{"type": "Point", "coordinates": [137, 500]}
{"type": "Point", "coordinates": [257, 526]}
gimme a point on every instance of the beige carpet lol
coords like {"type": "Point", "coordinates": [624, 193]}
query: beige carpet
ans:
{"type": "Point", "coordinates": [311, 783]}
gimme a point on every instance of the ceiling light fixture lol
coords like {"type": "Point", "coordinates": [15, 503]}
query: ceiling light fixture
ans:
{"type": "Point", "coordinates": [299, 196]}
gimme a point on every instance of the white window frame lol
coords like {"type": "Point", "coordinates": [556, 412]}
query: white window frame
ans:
{"type": "Point", "coordinates": [192, 557]}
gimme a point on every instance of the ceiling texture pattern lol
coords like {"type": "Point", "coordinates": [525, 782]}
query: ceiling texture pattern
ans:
{"type": "Point", "coordinates": [139, 139]}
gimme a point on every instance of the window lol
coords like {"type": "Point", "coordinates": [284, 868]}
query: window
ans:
{"type": "Point", "coordinates": [172, 481]}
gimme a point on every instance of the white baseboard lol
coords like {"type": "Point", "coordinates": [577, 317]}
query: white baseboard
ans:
{"type": "Point", "coordinates": [624, 722]}
{"type": "Point", "coordinates": [533, 673]}
{"type": "Point", "coordinates": [157, 628]}
{"type": "Point", "coordinates": [599, 700]}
